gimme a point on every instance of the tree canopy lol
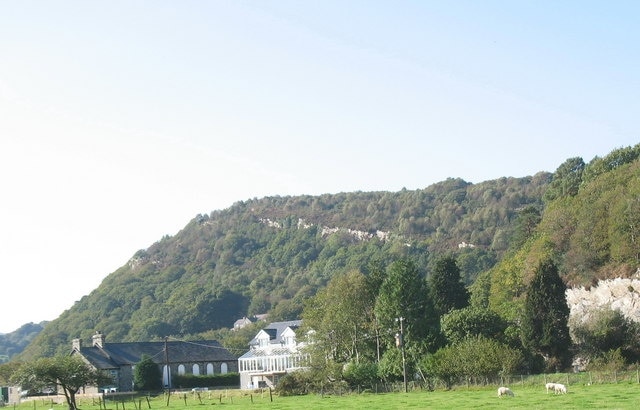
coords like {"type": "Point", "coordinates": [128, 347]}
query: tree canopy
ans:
{"type": "Point", "coordinates": [545, 327]}
{"type": "Point", "coordinates": [70, 373]}
{"type": "Point", "coordinates": [147, 375]}
{"type": "Point", "coordinates": [446, 288]}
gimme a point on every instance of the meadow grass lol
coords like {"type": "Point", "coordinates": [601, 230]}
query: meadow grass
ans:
{"type": "Point", "coordinates": [598, 396]}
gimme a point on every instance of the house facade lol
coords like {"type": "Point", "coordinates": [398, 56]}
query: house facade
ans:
{"type": "Point", "coordinates": [199, 358]}
{"type": "Point", "coordinates": [273, 352]}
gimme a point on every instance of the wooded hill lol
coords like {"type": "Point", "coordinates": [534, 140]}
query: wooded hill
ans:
{"type": "Point", "coordinates": [15, 342]}
{"type": "Point", "coordinates": [270, 254]}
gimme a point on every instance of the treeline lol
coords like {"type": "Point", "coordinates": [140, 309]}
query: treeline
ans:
{"type": "Point", "coordinates": [392, 323]}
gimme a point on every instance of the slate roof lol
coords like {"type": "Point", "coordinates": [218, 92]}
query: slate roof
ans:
{"type": "Point", "coordinates": [115, 355]}
{"type": "Point", "coordinates": [275, 329]}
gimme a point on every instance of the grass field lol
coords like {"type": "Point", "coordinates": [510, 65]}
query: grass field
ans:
{"type": "Point", "coordinates": [599, 396]}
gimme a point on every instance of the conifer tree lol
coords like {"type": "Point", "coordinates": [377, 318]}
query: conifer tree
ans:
{"type": "Point", "coordinates": [545, 328]}
{"type": "Point", "coordinates": [446, 288]}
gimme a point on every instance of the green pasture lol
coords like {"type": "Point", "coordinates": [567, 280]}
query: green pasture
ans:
{"type": "Point", "coordinates": [597, 396]}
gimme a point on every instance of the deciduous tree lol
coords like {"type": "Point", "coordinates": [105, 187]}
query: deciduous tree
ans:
{"type": "Point", "coordinates": [68, 372]}
{"type": "Point", "coordinates": [459, 324]}
{"type": "Point", "coordinates": [341, 316]}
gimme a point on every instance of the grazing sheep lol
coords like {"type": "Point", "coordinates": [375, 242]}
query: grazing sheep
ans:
{"type": "Point", "coordinates": [550, 386]}
{"type": "Point", "coordinates": [560, 388]}
{"type": "Point", "coordinates": [504, 391]}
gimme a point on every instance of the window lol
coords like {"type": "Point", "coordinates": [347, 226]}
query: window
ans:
{"type": "Point", "coordinates": [209, 368]}
{"type": "Point", "coordinates": [196, 370]}
{"type": "Point", "coordinates": [181, 370]}
{"type": "Point", "coordinates": [223, 368]}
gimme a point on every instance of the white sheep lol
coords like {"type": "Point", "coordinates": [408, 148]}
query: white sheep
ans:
{"type": "Point", "coordinates": [550, 386]}
{"type": "Point", "coordinates": [504, 391]}
{"type": "Point", "coordinates": [560, 388]}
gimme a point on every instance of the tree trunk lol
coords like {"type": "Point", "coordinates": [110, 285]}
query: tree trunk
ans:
{"type": "Point", "coordinates": [70, 396]}
{"type": "Point", "coordinates": [72, 401]}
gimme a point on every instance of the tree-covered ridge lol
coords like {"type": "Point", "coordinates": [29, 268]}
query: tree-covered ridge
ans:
{"type": "Point", "coordinates": [231, 263]}
{"type": "Point", "coordinates": [13, 343]}
{"type": "Point", "coordinates": [272, 254]}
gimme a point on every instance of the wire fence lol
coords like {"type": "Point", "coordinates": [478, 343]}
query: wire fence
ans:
{"type": "Point", "coordinates": [530, 380]}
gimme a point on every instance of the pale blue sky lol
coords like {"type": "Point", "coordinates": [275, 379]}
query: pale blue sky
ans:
{"type": "Point", "coordinates": [122, 120]}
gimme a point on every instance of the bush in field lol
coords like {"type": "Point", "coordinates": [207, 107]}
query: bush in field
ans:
{"type": "Point", "coordinates": [608, 361]}
{"type": "Point", "coordinates": [605, 331]}
{"type": "Point", "coordinates": [474, 357]}
{"type": "Point", "coordinates": [361, 374]}
{"type": "Point", "coordinates": [303, 382]}
{"type": "Point", "coordinates": [294, 383]}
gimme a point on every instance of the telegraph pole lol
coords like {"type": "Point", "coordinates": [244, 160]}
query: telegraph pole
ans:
{"type": "Point", "coordinates": [400, 344]}
{"type": "Point", "coordinates": [166, 362]}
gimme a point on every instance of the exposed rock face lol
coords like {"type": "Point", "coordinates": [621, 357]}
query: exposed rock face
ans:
{"type": "Point", "coordinates": [618, 294]}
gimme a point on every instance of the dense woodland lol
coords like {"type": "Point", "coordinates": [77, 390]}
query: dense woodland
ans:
{"type": "Point", "coordinates": [277, 255]}
{"type": "Point", "coordinates": [13, 343]}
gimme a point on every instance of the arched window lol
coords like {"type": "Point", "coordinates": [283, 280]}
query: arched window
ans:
{"type": "Point", "coordinates": [181, 369]}
{"type": "Point", "coordinates": [223, 368]}
{"type": "Point", "coordinates": [209, 368]}
{"type": "Point", "coordinates": [196, 370]}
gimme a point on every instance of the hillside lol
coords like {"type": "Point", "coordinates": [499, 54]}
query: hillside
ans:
{"type": "Point", "coordinates": [270, 254]}
{"type": "Point", "coordinates": [590, 228]}
{"type": "Point", "coordinates": [14, 343]}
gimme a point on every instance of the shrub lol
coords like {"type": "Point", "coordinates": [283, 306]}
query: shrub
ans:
{"type": "Point", "coordinates": [473, 357]}
{"type": "Point", "coordinates": [361, 374]}
{"type": "Point", "coordinates": [294, 383]}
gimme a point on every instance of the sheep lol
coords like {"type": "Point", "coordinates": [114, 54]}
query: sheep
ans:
{"type": "Point", "coordinates": [560, 388]}
{"type": "Point", "coordinates": [550, 386]}
{"type": "Point", "coordinates": [556, 388]}
{"type": "Point", "coordinates": [504, 391]}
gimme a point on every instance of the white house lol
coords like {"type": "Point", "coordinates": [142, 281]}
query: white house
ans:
{"type": "Point", "coordinates": [273, 352]}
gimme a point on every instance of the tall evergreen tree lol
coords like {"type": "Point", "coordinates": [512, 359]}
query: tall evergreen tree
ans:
{"type": "Point", "coordinates": [545, 328]}
{"type": "Point", "coordinates": [446, 288]}
{"type": "Point", "coordinates": [403, 294]}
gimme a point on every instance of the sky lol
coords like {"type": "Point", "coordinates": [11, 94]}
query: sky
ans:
{"type": "Point", "coordinates": [121, 121]}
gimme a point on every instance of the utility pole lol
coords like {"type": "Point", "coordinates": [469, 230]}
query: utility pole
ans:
{"type": "Point", "coordinates": [400, 344]}
{"type": "Point", "coordinates": [166, 362]}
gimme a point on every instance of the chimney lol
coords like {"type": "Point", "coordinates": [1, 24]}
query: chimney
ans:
{"type": "Point", "coordinates": [76, 344]}
{"type": "Point", "coordinates": [98, 339]}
